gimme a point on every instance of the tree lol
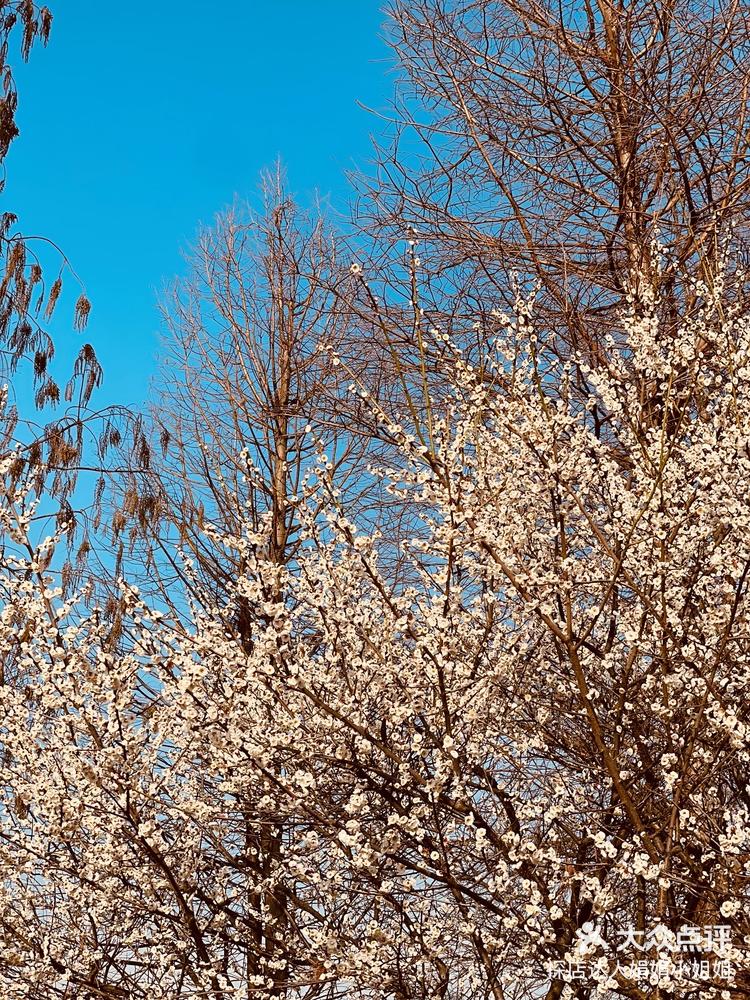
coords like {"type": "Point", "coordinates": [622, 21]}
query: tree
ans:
{"type": "Point", "coordinates": [559, 141]}
{"type": "Point", "coordinates": [535, 752]}
{"type": "Point", "coordinates": [247, 393]}
{"type": "Point", "coordinates": [53, 450]}
{"type": "Point", "coordinates": [24, 297]}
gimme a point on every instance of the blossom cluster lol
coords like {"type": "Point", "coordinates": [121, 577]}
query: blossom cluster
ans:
{"type": "Point", "coordinates": [422, 784]}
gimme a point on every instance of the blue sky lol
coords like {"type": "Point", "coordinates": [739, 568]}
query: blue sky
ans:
{"type": "Point", "coordinates": [141, 120]}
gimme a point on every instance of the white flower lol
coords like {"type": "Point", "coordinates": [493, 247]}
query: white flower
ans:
{"type": "Point", "coordinates": [730, 907]}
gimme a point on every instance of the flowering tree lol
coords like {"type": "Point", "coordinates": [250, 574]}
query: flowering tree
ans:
{"type": "Point", "coordinates": [518, 776]}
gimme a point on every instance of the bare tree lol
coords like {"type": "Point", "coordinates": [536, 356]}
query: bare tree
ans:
{"type": "Point", "coordinates": [559, 140]}
{"type": "Point", "coordinates": [250, 388]}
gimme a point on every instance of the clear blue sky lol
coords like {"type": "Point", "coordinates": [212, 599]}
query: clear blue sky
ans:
{"type": "Point", "coordinates": [141, 120]}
